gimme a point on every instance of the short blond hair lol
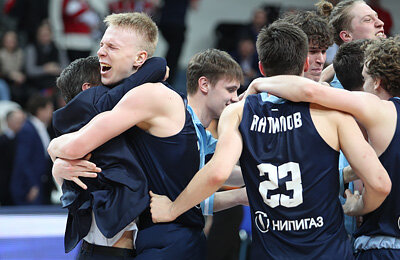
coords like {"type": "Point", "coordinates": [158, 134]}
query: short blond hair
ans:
{"type": "Point", "coordinates": [141, 23]}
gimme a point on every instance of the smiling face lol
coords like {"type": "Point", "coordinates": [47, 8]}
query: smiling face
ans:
{"type": "Point", "coordinates": [118, 51]}
{"type": "Point", "coordinates": [316, 58]}
{"type": "Point", "coordinates": [222, 94]}
{"type": "Point", "coordinates": [365, 23]}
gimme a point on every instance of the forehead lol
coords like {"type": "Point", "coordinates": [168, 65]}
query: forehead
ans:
{"type": "Point", "coordinates": [227, 81]}
{"type": "Point", "coordinates": [119, 36]}
{"type": "Point", "coordinates": [361, 9]}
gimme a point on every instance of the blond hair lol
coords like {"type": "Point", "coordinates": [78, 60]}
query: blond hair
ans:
{"type": "Point", "coordinates": [141, 23]}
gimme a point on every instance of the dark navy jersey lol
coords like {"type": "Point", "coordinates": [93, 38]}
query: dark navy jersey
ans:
{"type": "Point", "coordinates": [169, 163]}
{"type": "Point", "coordinates": [291, 176]}
{"type": "Point", "coordinates": [385, 220]}
{"type": "Point", "coordinates": [120, 193]}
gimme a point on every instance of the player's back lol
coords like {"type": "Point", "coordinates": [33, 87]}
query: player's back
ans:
{"type": "Point", "coordinates": [169, 164]}
{"type": "Point", "coordinates": [291, 175]}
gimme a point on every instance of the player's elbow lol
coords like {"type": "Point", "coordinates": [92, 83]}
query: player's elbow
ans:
{"type": "Point", "coordinates": [383, 184]}
{"type": "Point", "coordinates": [219, 177]}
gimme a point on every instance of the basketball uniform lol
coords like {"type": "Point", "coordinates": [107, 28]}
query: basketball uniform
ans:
{"type": "Point", "coordinates": [291, 176]}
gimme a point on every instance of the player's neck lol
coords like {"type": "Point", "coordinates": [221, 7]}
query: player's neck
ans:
{"type": "Point", "coordinates": [200, 109]}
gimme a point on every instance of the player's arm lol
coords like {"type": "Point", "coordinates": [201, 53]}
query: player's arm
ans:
{"type": "Point", "coordinates": [152, 71]}
{"type": "Point", "coordinates": [236, 178]}
{"type": "Point", "coordinates": [364, 106]}
{"type": "Point", "coordinates": [327, 74]}
{"type": "Point", "coordinates": [141, 104]}
{"type": "Point", "coordinates": [212, 175]}
{"type": "Point", "coordinates": [365, 164]}
{"type": "Point", "coordinates": [230, 198]}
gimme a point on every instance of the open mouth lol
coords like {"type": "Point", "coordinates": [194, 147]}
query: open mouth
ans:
{"type": "Point", "coordinates": [105, 67]}
{"type": "Point", "coordinates": [380, 34]}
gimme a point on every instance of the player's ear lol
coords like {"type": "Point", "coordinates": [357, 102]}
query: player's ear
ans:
{"type": "Point", "coordinates": [377, 84]}
{"type": "Point", "coordinates": [203, 84]}
{"type": "Point", "coordinates": [86, 86]}
{"type": "Point", "coordinates": [306, 65]}
{"type": "Point", "coordinates": [141, 57]}
{"type": "Point", "coordinates": [260, 67]}
{"type": "Point", "coordinates": [345, 36]}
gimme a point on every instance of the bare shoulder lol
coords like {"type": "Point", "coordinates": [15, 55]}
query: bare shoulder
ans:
{"type": "Point", "coordinates": [235, 109]}
{"type": "Point", "coordinates": [327, 113]}
{"type": "Point", "coordinates": [326, 122]}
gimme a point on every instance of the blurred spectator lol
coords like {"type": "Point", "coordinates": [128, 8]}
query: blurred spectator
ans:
{"type": "Point", "coordinates": [29, 15]}
{"type": "Point", "coordinates": [247, 58]}
{"type": "Point", "coordinates": [14, 121]}
{"type": "Point", "coordinates": [124, 6]}
{"type": "Point", "coordinates": [80, 27]}
{"type": "Point", "coordinates": [44, 61]}
{"type": "Point", "coordinates": [4, 90]}
{"type": "Point", "coordinates": [383, 14]}
{"type": "Point", "coordinates": [258, 21]}
{"type": "Point", "coordinates": [31, 177]}
{"type": "Point", "coordinates": [11, 67]}
{"type": "Point", "coordinates": [172, 25]}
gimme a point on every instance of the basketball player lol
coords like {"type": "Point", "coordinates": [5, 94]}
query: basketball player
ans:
{"type": "Point", "coordinates": [289, 163]}
{"type": "Point", "coordinates": [164, 139]}
{"type": "Point", "coordinates": [378, 236]}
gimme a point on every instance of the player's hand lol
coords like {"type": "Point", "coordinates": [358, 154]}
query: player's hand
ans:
{"type": "Point", "coordinates": [354, 203]}
{"type": "Point", "coordinates": [73, 169]}
{"type": "Point", "coordinates": [161, 208]}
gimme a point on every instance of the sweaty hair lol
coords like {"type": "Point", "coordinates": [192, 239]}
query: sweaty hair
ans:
{"type": "Point", "coordinates": [348, 64]}
{"type": "Point", "coordinates": [80, 71]}
{"type": "Point", "coordinates": [212, 64]}
{"type": "Point", "coordinates": [35, 102]}
{"type": "Point", "coordinates": [382, 60]}
{"type": "Point", "coordinates": [282, 49]}
{"type": "Point", "coordinates": [140, 23]}
{"type": "Point", "coordinates": [339, 16]}
{"type": "Point", "coordinates": [316, 27]}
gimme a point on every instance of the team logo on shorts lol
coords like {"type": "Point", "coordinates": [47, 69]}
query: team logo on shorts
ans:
{"type": "Point", "coordinates": [262, 221]}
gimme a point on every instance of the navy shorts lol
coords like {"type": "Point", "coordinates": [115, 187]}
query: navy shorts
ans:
{"type": "Point", "coordinates": [170, 241]}
{"type": "Point", "coordinates": [378, 254]}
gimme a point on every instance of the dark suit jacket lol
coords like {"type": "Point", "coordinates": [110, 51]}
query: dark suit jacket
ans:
{"type": "Point", "coordinates": [32, 166]}
{"type": "Point", "coordinates": [120, 192]}
{"type": "Point", "coordinates": [7, 151]}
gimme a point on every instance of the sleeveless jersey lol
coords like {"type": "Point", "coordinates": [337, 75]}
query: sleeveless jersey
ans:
{"type": "Point", "coordinates": [291, 176]}
{"type": "Point", "coordinates": [169, 164]}
{"type": "Point", "coordinates": [385, 220]}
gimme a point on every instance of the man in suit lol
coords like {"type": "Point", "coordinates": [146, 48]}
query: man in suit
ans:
{"type": "Point", "coordinates": [32, 168]}
{"type": "Point", "coordinates": [14, 120]}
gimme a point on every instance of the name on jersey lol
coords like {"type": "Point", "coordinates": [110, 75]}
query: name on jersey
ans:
{"type": "Point", "coordinates": [276, 124]}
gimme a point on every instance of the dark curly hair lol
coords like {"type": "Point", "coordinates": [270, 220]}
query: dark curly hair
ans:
{"type": "Point", "coordinates": [339, 17]}
{"type": "Point", "coordinates": [316, 27]}
{"type": "Point", "coordinates": [382, 60]}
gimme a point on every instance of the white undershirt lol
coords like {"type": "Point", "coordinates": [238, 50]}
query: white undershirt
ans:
{"type": "Point", "coordinates": [96, 237]}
